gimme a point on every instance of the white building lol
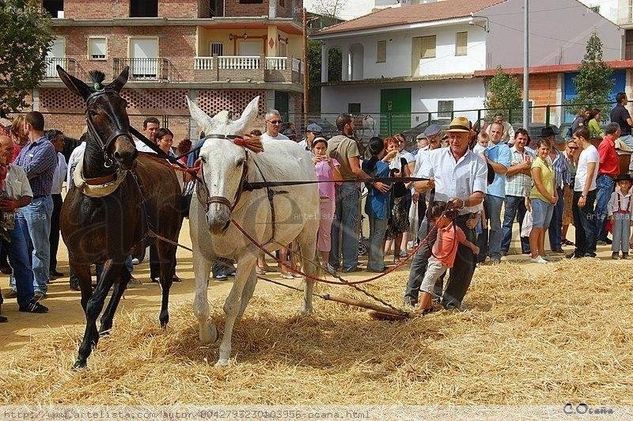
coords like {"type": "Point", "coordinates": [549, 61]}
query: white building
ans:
{"type": "Point", "coordinates": [419, 59]}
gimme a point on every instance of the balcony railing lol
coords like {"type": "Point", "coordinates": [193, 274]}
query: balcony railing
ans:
{"type": "Point", "coordinates": [157, 69]}
{"type": "Point", "coordinates": [246, 63]}
{"type": "Point", "coordinates": [68, 64]}
{"type": "Point", "coordinates": [276, 63]}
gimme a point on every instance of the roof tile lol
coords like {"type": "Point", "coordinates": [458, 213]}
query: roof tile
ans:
{"type": "Point", "coordinates": [417, 13]}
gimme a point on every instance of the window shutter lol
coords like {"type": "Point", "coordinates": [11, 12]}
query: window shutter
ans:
{"type": "Point", "coordinates": [461, 44]}
{"type": "Point", "coordinates": [97, 48]}
{"type": "Point", "coordinates": [381, 51]}
{"type": "Point", "coordinates": [428, 46]}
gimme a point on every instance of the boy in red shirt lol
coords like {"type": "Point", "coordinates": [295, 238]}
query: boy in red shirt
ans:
{"type": "Point", "coordinates": [444, 250]}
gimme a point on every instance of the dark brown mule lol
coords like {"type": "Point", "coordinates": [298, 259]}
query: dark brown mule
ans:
{"type": "Point", "coordinates": [102, 226]}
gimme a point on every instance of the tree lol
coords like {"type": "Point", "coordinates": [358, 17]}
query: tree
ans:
{"type": "Point", "coordinates": [314, 76]}
{"type": "Point", "coordinates": [504, 93]}
{"type": "Point", "coordinates": [330, 8]}
{"type": "Point", "coordinates": [25, 38]}
{"type": "Point", "coordinates": [594, 80]}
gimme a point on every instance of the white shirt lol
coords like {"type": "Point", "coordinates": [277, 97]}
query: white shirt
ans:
{"type": "Point", "coordinates": [142, 147]}
{"type": "Point", "coordinates": [60, 174]}
{"type": "Point", "coordinates": [17, 184]}
{"type": "Point", "coordinates": [620, 203]}
{"type": "Point", "coordinates": [586, 156]}
{"type": "Point", "coordinates": [76, 156]}
{"type": "Point", "coordinates": [266, 137]}
{"type": "Point", "coordinates": [455, 179]}
{"type": "Point", "coordinates": [395, 162]}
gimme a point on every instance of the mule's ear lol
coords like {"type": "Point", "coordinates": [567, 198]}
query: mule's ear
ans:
{"type": "Point", "coordinates": [205, 122]}
{"type": "Point", "coordinates": [247, 117]}
{"type": "Point", "coordinates": [74, 84]}
{"type": "Point", "coordinates": [118, 83]}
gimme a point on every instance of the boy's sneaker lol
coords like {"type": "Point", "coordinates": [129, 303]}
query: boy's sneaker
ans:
{"type": "Point", "coordinates": [11, 294]}
{"type": "Point", "coordinates": [34, 307]}
{"type": "Point", "coordinates": [615, 255]}
{"type": "Point", "coordinates": [625, 256]}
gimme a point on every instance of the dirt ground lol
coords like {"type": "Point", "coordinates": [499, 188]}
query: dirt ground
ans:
{"type": "Point", "coordinates": [65, 309]}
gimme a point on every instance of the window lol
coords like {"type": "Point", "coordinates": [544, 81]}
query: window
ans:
{"type": "Point", "coordinates": [427, 46]}
{"type": "Point", "coordinates": [381, 51]}
{"type": "Point", "coordinates": [54, 7]}
{"type": "Point", "coordinates": [97, 48]}
{"type": "Point", "coordinates": [143, 8]}
{"type": "Point", "coordinates": [628, 44]}
{"type": "Point", "coordinates": [282, 3]}
{"type": "Point", "coordinates": [216, 48]}
{"type": "Point", "coordinates": [445, 109]}
{"type": "Point", "coordinates": [353, 108]}
{"type": "Point", "coordinates": [461, 44]}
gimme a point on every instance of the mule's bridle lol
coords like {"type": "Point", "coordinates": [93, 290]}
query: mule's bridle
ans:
{"type": "Point", "coordinates": [203, 190]}
{"type": "Point", "coordinates": [118, 131]}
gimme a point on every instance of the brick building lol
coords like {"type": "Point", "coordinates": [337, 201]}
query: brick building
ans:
{"type": "Point", "coordinates": [221, 53]}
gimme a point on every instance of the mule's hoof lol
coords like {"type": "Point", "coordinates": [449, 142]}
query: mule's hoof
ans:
{"type": "Point", "coordinates": [307, 311]}
{"type": "Point", "coordinates": [80, 364]}
{"type": "Point", "coordinates": [222, 362]}
{"type": "Point", "coordinates": [208, 333]}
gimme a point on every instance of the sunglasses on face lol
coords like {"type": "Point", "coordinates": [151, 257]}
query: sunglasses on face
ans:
{"type": "Point", "coordinates": [275, 121]}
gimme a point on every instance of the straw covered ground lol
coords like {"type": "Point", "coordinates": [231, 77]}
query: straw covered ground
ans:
{"type": "Point", "coordinates": [565, 334]}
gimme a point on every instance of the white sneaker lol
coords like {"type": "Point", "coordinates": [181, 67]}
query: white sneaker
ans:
{"type": "Point", "coordinates": [539, 260]}
{"type": "Point", "coordinates": [135, 261]}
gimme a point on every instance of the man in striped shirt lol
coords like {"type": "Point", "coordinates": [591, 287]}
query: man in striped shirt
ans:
{"type": "Point", "coordinates": [518, 184]}
{"type": "Point", "coordinates": [39, 160]}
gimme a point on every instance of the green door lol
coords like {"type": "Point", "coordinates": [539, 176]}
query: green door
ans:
{"type": "Point", "coordinates": [395, 111]}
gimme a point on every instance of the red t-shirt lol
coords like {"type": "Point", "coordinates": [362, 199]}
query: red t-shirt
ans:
{"type": "Point", "coordinates": [609, 162]}
{"type": "Point", "coordinates": [445, 247]}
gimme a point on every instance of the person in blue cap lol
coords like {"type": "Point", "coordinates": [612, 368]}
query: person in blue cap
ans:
{"type": "Point", "coordinates": [313, 130]}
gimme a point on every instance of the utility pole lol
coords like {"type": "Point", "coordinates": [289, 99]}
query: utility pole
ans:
{"type": "Point", "coordinates": [526, 63]}
{"type": "Point", "coordinates": [305, 69]}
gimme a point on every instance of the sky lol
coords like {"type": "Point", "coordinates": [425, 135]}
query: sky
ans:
{"type": "Point", "coordinates": [351, 9]}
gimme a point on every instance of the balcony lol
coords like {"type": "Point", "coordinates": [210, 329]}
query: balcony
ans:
{"type": "Point", "coordinates": [145, 69]}
{"type": "Point", "coordinates": [248, 68]}
{"type": "Point", "coordinates": [68, 64]}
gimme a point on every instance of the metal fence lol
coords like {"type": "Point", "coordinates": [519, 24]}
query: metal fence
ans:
{"type": "Point", "coordinates": [366, 125]}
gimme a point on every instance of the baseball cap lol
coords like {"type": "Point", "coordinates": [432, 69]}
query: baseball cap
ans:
{"type": "Point", "coordinates": [314, 128]}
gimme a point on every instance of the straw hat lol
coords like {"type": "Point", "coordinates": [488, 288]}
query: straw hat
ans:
{"type": "Point", "coordinates": [459, 124]}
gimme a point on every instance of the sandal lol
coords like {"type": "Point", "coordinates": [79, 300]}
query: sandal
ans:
{"type": "Point", "coordinates": [260, 271]}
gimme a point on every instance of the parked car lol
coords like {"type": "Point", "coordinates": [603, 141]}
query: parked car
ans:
{"type": "Point", "coordinates": [328, 128]}
{"type": "Point", "coordinates": [413, 132]}
{"type": "Point", "coordinates": [534, 131]}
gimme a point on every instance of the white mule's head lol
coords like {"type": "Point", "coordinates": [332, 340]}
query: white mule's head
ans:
{"type": "Point", "coordinates": [223, 163]}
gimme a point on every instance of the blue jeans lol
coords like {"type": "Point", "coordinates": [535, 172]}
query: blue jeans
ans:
{"type": "Point", "coordinates": [604, 187]}
{"type": "Point", "coordinates": [377, 230]}
{"type": "Point", "coordinates": [345, 226]}
{"type": "Point", "coordinates": [20, 262]}
{"type": "Point", "coordinates": [585, 224]}
{"type": "Point", "coordinates": [515, 205]}
{"type": "Point", "coordinates": [38, 219]}
{"type": "Point", "coordinates": [493, 212]}
{"type": "Point", "coordinates": [556, 224]}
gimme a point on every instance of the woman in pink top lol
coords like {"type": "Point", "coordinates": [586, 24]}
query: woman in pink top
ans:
{"type": "Point", "coordinates": [444, 250]}
{"type": "Point", "coordinates": [327, 170]}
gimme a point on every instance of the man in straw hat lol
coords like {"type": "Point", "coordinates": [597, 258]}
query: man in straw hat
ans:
{"type": "Point", "coordinates": [459, 178]}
